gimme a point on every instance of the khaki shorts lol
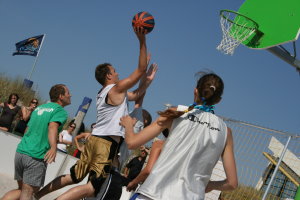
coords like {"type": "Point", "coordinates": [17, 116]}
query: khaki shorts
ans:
{"type": "Point", "coordinates": [96, 160]}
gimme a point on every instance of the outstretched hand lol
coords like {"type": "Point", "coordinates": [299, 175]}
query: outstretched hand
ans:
{"type": "Point", "coordinates": [127, 121]}
{"type": "Point", "coordinates": [140, 33]}
{"type": "Point", "coordinates": [151, 72]}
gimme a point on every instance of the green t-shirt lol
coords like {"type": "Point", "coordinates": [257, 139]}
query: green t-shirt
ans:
{"type": "Point", "coordinates": [35, 142]}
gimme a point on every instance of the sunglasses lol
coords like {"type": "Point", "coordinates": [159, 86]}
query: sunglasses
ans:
{"type": "Point", "coordinates": [34, 102]}
{"type": "Point", "coordinates": [72, 126]}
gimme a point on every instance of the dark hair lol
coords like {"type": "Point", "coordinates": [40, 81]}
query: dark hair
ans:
{"type": "Point", "coordinates": [210, 88]}
{"type": "Point", "coordinates": [72, 122]}
{"type": "Point", "coordinates": [81, 128]}
{"type": "Point", "coordinates": [101, 71]}
{"type": "Point", "coordinates": [10, 97]}
{"type": "Point", "coordinates": [93, 124]}
{"type": "Point", "coordinates": [55, 91]}
{"type": "Point", "coordinates": [33, 100]}
{"type": "Point", "coordinates": [165, 132]}
{"type": "Point", "coordinates": [147, 118]}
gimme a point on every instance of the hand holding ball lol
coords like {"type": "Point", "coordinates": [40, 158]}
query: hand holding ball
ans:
{"type": "Point", "coordinates": [144, 20]}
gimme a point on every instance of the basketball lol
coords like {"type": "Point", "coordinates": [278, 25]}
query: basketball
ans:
{"type": "Point", "coordinates": [145, 20]}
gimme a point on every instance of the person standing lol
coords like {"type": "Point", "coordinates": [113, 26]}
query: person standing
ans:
{"type": "Point", "coordinates": [38, 148]}
{"type": "Point", "coordinates": [66, 138]}
{"type": "Point", "coordinates": [9, 110]}
{"type": "Point", "coordinates": [26, 112]}
{"type": "Point", "coordinates": [134, 167]}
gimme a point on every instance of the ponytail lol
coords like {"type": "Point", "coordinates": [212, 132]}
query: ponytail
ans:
{"type": "Point", "coordinates": [173, 114]}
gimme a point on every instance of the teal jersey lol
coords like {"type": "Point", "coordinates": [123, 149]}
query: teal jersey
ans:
{"type": "Point", "coordinates": [35, 141]}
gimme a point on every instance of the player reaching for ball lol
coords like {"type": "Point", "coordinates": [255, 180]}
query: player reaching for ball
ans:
{"type": "Point", "coordinates": [101, 148]}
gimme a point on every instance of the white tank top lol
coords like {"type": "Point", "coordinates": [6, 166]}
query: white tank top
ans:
{"type": "Point", "coordinates": [108, 116]}
{"type": "Point", "coordinates": [183, 169]}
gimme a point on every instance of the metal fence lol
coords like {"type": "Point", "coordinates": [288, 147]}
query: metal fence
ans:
{"type": "Point", "coordinates": [268, 163]}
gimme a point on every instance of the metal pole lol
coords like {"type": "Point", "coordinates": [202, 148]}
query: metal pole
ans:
{"type": "Point", "coordinates": [276, 168]}
{"type": "Point", "coordinates": [32, 69]}
{"type": "Point", "coordinates": [285, 56]}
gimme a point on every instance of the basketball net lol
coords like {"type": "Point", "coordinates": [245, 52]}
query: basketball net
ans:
{"type": "Point", "coordinates": [236, 28]}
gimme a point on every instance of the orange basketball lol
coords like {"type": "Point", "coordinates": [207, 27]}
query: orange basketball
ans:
{"type": "Point", "coordinates": [145, 20]}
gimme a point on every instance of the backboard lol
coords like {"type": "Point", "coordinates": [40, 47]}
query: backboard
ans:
{"type": "Point", "coordinates": [278, 22]}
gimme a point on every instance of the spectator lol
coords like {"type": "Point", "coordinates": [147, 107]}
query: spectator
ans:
{"type": "Point", "coordinates": [38, 148]}
{"type": "Point", "coordinates": [134, 167]}
{"type": "Point", "coordinates": [66, 138]}
{"type": "Point", "coordinates": [26, 112]}
{"type": "Point", "coordinates": [9, 112]}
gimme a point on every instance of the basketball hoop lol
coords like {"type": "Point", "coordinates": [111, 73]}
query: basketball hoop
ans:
{"type": "Point", "coordinates": [236, 28]}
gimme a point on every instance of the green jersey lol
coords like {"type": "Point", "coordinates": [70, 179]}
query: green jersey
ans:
{"type": "Point", "coordinates": [35, 141]}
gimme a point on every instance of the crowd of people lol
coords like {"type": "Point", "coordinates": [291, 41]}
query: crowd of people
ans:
{"type": "Point", "coordinates": [11, 112]}
{"type": "Point", "coordinates": [178, 168]}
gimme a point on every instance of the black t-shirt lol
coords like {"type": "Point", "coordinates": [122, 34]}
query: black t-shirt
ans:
{"type": "Point", "coordinates": [135, 167]}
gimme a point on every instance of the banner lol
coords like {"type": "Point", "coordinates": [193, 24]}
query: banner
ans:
{"type": "Point", "coordinates": [29, 46]}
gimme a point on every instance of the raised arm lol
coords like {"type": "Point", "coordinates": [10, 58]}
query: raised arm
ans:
{"type": "Point", "coordinates": [231, 182]}
{"type": "Point", "coordinates": [154, 154]}
{"type": "Point", "coordinates": [135, 140]}
{"type": "Point", "coordinates": [129, 82]}
{"type": "Point", "coordinates": [145, 81]}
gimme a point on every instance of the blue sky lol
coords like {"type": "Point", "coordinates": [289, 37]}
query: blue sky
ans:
{"type": "Point", "coordinates": [259, 88]}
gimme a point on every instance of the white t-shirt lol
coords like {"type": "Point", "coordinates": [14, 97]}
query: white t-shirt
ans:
{"type": "Point", "coordinates": [67, 137]}
{"type": "Point", "coordinates": [183, 169]}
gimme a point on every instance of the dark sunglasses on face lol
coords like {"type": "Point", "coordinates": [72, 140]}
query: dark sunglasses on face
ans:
{"type": "Point", "coordinates": [72, 126]}
{"type": "Point", "coordinates": [34, 102]}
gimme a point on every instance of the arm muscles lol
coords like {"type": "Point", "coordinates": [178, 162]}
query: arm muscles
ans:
{"type": "Point", "coordinates": [229, 166]}
{"type": "Point", "coordinates": [52, 133]}
{"type": "Point", "coordinates": [148, 133]}
{"type": "Point", "coordinates": [52, 137]}
{"type": "Point", "coordinates": [117, 94]}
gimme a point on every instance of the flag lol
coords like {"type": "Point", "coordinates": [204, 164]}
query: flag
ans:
{"type": "Point", "coordinates": [30, 46]}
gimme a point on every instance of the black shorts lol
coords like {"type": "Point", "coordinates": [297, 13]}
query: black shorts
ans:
{"type": "Point", "coordinates": [96, 160]}
{"type": "Point", "coordinates": [111, 188]}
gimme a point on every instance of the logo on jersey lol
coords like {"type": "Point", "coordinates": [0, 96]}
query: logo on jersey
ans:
{"type": "Point", "coordinates": [40, 111]}
{"type": "Point", "coordinates": [193, 118]}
